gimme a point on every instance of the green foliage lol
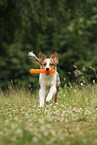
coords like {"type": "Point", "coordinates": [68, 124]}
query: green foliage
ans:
{"type": "Point", "coordinates": [66, 27]}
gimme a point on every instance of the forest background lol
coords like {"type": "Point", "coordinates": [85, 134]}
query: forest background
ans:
{"type": "Point", "coordinates": [68, 27]}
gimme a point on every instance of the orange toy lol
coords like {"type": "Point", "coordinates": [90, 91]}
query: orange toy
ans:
{"type": "Point", "coordinates": [42, 71]}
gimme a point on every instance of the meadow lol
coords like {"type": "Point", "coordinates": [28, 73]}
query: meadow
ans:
{"type": "Point", "coordinates": [73, 121]}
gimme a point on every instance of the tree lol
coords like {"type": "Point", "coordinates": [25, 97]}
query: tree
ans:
{"type": "Point", "coordinates": [55, 25]}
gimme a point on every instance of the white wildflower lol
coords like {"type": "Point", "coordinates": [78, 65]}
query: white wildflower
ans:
{"type": "Point", "coordinates": [35, 139]}
{"type": "Point", "coordinates": [81, 84]}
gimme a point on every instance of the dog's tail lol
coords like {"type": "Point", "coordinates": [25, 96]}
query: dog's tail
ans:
{"type": "Point", "coordinates": [33, 57]}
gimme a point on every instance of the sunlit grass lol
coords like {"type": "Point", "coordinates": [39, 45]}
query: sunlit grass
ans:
{"type": "Point", "coordinates": [72, 121]}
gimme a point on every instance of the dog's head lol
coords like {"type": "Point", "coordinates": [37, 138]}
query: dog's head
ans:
{"type": "Point", "coordinates": [48, 63]}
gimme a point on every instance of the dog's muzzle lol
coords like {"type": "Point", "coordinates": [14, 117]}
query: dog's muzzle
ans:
{"type": "Point", "coordinates": [47, 71]}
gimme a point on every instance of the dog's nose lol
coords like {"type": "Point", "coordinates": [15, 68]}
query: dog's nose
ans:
{"type": "Point", "coordinates": [47, 69]}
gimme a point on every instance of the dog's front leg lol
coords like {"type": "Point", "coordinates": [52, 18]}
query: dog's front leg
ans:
{"type": "Point", "coordinates": [51, 93]}
{"type": "Point", "coordinates": [42, 96]}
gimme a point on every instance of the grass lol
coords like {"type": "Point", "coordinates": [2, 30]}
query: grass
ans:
{"type": "Point", "coordinates": [73, 121]}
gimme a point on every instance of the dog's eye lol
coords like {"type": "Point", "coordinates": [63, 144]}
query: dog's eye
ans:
{"type": "Point", "coordinates": [51, 64]}
{"type": "Point", "coordinates": [44, 64]}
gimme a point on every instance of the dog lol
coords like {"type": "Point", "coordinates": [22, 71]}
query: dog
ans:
{"type": "Point", "coordinates": [49, 83]}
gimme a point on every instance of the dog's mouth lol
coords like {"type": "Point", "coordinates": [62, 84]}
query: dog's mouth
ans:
{"type": "Point", "coordinates": [47, 73]}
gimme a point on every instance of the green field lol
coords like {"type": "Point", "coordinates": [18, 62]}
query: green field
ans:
{"type": "Point", "coordinates": [73, 121]}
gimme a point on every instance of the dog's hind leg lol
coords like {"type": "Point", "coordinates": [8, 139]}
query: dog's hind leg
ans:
{"type": "Point", "coordinates": [56, 98]}
{"type": "Point", "coordinates": [58, 87]}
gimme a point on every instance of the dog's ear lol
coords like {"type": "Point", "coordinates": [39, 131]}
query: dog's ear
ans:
{"type": "Point", "coordinates": [55, 57]}
{"type": "Point", "coordinates": [41, 57]}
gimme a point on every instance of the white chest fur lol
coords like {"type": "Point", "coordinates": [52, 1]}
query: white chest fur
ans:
{"type": "Point", "coordinates": [47, 80]}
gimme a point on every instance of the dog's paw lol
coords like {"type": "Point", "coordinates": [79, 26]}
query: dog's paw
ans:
{"type": "Point", "coordinates": [47, 99]}
{"type": "Point", "coordinates": [41, 106]}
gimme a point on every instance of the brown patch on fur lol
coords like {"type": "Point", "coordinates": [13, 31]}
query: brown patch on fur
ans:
{"type": "Point", "coordinates": [51, 65]}
{"type": "Point", "coordinates": [55, 57]}
{"type": "Point", "coordinates": [56, 98]}
{"type": "Point", "coordinates": [44, 65]}
{"type": "Point", "coordinates": [42, 57]}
